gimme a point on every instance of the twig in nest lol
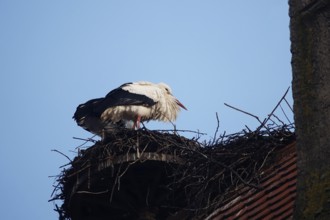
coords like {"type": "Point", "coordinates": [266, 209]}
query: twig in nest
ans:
{"type": "Point", "coordinates": [286, 101]}
{"type": "Point", "coordinates": [248, 128]}
{"type": "Point", "coordinates": [254, 116]}
{"type": "Point", "coordinates": [174, 131]}
{"type": "Point", "coordinates": [62, 154]}
{"type": "Point", "coordinates": [116, 182]}
{"type": "Point", "coordinates": [265, 159]}
{"type": "Point", "coordinates": [86, 141]}
{"type": "Point", "coordinates": [218, 125]}
{"type": "Point", "coordinates": [271, 114]}
{"type": "Point", "coordinates": [287, 118]}
{"type": "Point", "coordinates": [223, 136]}
{"type": "Point", "coordinates": [275, 116]}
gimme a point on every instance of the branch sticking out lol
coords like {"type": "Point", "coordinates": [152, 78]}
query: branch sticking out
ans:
{"type": "Point", "coordinates": [254, 116]}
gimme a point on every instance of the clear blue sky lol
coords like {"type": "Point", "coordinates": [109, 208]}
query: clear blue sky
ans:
{"type": "Point", "coordinates": [55, 55]}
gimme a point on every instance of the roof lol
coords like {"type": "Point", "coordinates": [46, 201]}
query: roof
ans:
{"type": "Point", "coordinates": [276, 198]}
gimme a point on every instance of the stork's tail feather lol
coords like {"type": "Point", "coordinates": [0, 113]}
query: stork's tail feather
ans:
{"type": "Point", "coordinates": [86, 109]}
{"type": "Point", "coordinates": [87, 118]}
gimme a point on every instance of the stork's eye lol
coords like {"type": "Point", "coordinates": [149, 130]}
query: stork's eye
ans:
{"type": "Point", "coordinates": [167, 90]}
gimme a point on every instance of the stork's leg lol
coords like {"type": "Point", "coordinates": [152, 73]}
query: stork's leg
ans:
{"type": "Point", "coordinates": [137, 122]}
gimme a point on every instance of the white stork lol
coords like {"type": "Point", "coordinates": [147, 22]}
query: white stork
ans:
{"type": "Point", "coordinates": [137, 102]}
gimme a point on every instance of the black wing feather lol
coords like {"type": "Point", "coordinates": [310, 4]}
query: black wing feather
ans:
{"type": "Point", "coordinates": [119, 97]}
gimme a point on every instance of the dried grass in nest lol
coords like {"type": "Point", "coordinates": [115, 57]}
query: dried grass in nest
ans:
{"type": "Point", "coordinates": [203, 175]}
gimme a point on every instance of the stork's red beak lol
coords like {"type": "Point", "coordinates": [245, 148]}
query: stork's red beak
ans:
{"type": "Point", "coordinates": [180, 104]}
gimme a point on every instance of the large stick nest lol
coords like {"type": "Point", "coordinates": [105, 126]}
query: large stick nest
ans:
{"type": "Point", "coordinates": [162, 175]}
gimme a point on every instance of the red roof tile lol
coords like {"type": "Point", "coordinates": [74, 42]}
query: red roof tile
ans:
{"type": "Point", "coordinates": [276, 198]}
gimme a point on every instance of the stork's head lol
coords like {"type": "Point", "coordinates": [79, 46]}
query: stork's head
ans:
{"type": "Point", "coordinates": [168, 91]}
{"type": "Point", "coordinates": [170, 104]}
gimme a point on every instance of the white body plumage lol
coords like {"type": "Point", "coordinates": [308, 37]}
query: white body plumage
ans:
{"type": "Point", "coordinates": [158, 103]}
